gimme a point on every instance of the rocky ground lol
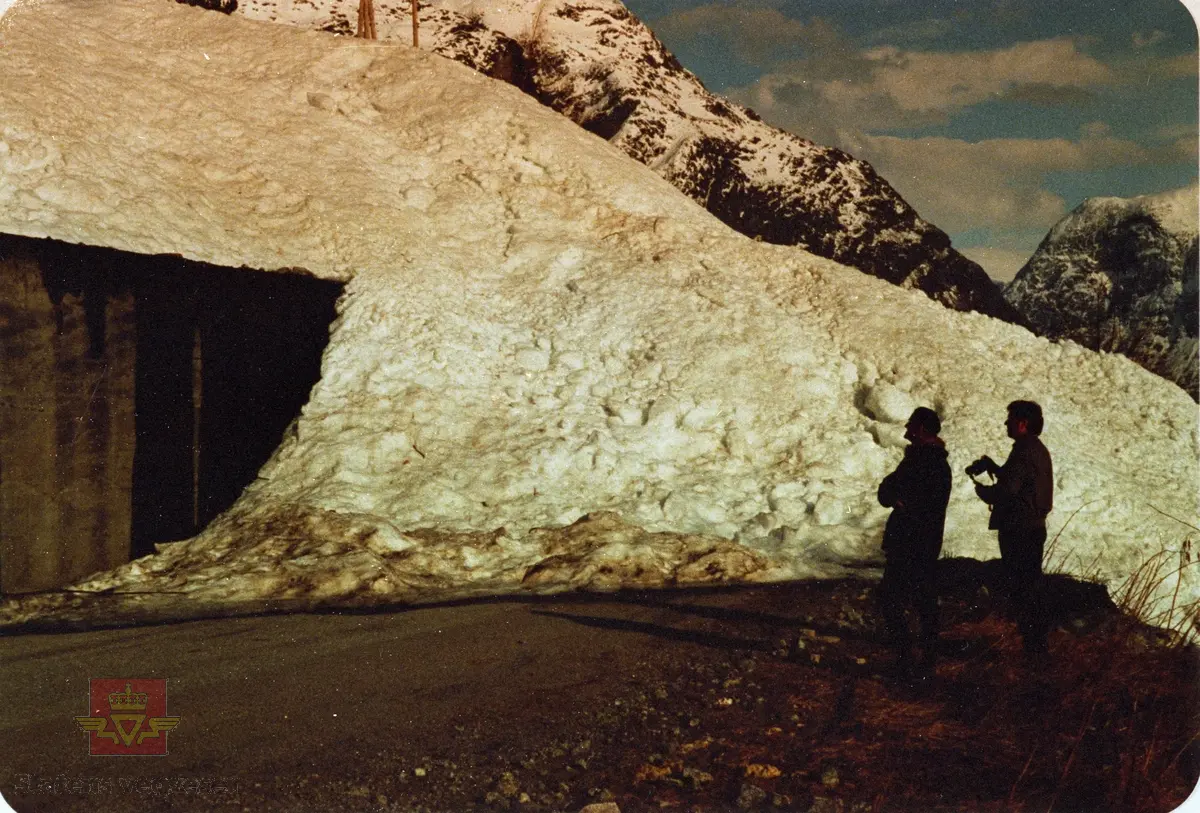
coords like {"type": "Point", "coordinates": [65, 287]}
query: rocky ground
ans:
{"type": "Point", "coordinates": [775, 697]}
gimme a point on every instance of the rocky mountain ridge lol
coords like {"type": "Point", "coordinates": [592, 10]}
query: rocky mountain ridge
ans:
{"type": "Point", "coordinates": [596, 63]}
{"type": "Point", "coordinates": [1120, 275]}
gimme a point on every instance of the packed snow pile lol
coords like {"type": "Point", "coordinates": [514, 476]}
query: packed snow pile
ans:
{"type": "Point", "coordinates": [550, 369]}
{"type": "Point", "coordinates": [597, 64]}
{"type": "Point", "coordinates": [1120, 275]}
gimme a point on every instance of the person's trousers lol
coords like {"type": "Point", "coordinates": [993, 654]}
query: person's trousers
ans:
{"type": "Point", "coordinates": [1021, 551]}
{"type": "Point", "coordinates": [909, 580]}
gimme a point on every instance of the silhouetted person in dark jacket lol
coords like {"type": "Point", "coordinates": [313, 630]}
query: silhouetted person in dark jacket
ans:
{"type": "Point", "coordinates": [917, 492]}
{"type": "Point", "coordinates": [1021, 498]}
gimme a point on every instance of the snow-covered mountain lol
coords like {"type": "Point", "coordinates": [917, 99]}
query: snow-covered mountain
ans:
{"type": "Point", "coordinates": [1120, 275]}
{"type": "Point", "coordinates": [549, 369]}
{"type": "Point", "coordinates": [596, 63]}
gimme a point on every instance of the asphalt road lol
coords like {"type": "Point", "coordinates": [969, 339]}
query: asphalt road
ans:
{"type": "Point", "coordinates": [298, 702]}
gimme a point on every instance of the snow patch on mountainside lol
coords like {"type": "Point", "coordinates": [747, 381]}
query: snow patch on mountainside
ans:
{"type": "Point", "coordinates": [550, 370]}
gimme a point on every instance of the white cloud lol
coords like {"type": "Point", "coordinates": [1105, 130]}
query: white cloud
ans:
{"type": "Point", "coordinates": [1142, 39]}
{"type": "Point", "coordinates": [1180, 144]}
{"type": "Point", "coordinates": [1178, 66]}
{"type": "Point", "coordinates": [1183, 149]}
{"type": "Point", "coordinates": [929, 30]}
{"type": "Point", "coordinates": [888, 87]}
{"type": "Point", "coordinates": [755, 34]}
{"type": "Point", "coordinates": [997, 183]}
{"type": "Point", "coordinates": [837, 90]}
{"type": "Point", "coordinates": [945, 82]}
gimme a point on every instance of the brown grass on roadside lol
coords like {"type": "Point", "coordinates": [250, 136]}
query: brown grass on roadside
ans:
{"type": "Point", "coordinates": [1110, 721]}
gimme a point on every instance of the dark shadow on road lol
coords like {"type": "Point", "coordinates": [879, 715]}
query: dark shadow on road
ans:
{"type": "Point", "coordinates": [661, 600]}
{"type": "Point", "coordinates": [709, 639]}
{"type": "Point", "coordinates": [777, 625]}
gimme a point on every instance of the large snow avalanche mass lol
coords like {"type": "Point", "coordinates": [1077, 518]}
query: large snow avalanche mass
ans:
{"type": "Point", "coordinates": [597, 64]}
{"type": "Point", "coordinates": [551, 370]}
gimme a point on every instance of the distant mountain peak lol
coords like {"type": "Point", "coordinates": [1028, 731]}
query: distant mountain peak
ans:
{"type": "Point", "coordinates": [1176, 211]}
{"type": "Point", "coordinates": [1120, 275]}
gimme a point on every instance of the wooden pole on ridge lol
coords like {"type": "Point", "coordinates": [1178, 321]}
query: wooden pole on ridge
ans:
{"type": "Point", "coordinates": [366, 19]}
{"type": "Point", "coordinates": [415, 6]}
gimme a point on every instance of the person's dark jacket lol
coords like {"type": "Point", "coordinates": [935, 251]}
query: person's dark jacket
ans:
{"type": "Point", "coordinates": [918, 492]}
{"type": "Point", "coordinates": [1024, 491]}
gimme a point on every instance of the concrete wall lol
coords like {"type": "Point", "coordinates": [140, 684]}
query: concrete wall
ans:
{"type": "Point", "coordinates": [66, 432]}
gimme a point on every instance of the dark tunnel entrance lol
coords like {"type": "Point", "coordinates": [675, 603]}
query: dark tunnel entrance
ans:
{"type": "Point", "coordinates": [138, 396]}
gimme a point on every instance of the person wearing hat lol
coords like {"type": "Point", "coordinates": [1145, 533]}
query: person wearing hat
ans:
{"type": "Point", "coordinates": [918, 492]}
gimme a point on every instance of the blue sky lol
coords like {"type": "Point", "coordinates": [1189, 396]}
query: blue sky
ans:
{"type": "Point", "coordinates": [993, 118]}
